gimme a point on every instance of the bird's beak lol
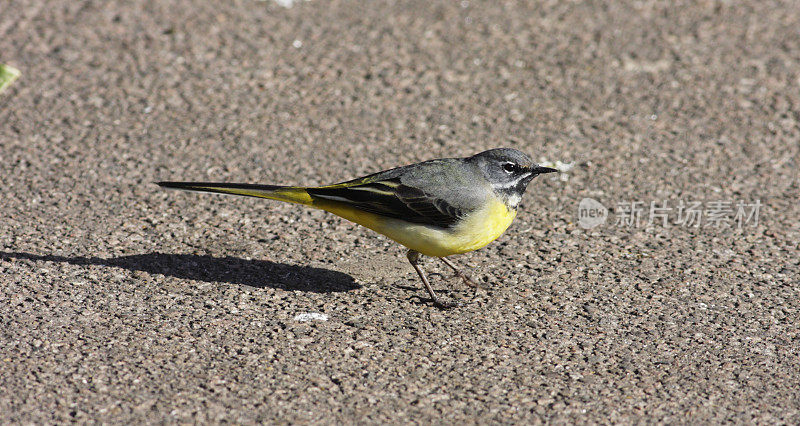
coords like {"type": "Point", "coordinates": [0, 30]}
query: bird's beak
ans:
{"type": "Point", "coordinates": [541, 169]}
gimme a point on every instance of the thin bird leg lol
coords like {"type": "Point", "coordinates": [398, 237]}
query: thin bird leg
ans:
{"type": "Point", "coordinates": [467, 280]}
{"type": "Point", "coordinates": [413, 258]}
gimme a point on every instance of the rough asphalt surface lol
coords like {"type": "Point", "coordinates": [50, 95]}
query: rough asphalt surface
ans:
{"type": "Point", "coordinates": [123, 302]}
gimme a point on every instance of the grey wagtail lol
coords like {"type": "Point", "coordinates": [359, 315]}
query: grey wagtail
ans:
{"type": "Point", "coordinates": [436, 208]}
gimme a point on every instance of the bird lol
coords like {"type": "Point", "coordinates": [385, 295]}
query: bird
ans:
{"type": "Point", "coordinates": [436, 208]}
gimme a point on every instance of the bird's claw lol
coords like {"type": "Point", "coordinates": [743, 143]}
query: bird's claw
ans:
{"type": "Point", "coordinates": [469, 281]}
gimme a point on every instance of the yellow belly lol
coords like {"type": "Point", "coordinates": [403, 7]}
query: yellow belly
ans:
{"type": "Point", "coordinates": [473, 232]}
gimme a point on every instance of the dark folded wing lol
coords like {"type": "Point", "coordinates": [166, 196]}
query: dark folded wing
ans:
{"type": "Point", "coordinates": [393, 199]}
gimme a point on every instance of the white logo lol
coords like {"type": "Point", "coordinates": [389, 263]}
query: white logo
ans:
{"type": "Point", "coordinates": [591, 213]}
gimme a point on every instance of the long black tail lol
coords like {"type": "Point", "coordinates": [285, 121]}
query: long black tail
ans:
{"type": "Point", "coordinates": [291, 194]}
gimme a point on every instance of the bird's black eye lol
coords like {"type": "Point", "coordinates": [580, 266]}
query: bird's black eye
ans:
{"type": "Point", "coordinates": [510, 167]}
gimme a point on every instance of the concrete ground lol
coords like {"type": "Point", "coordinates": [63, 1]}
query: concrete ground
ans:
{"type": "Point", "coordinates": [122, 302]}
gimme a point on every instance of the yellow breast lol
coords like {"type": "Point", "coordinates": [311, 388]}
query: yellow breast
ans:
{"type": "Point", "coordinates": [473, 232]}
{"type": "Point", "coordinates": [482, 227]}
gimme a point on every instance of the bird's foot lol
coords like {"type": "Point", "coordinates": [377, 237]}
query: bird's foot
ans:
{"type": "Point", "coordinates": [447, 305]}
{"type": "Point", "coordinates": [469, 281]}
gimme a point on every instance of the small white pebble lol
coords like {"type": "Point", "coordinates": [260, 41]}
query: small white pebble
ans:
{"type": "Point", "coordinates": [310, 316]}
{"type": "Point", "coordinates": [285, 3]}
{"type": "Point", "coordinates": [558, 165]}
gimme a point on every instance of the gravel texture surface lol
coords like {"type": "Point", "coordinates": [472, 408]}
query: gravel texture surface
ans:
{"type": "Point", "coordinates": [122, 302]}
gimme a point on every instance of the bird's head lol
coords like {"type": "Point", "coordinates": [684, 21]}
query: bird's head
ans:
{"type": "Point", "coordinates": [508, 171]}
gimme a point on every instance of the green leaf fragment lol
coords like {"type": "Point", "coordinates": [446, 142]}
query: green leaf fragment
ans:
{"type": "Point", "coordinates": [7, 76]}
